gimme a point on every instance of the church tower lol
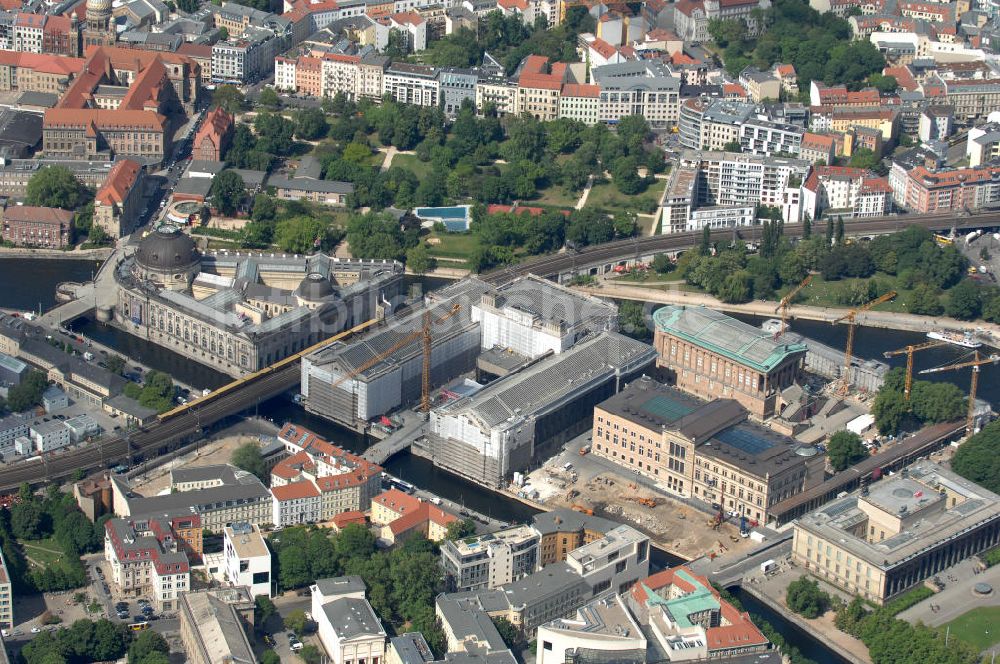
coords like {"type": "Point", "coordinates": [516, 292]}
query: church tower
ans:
{"type": "Point", "coordinates": [100, 27]}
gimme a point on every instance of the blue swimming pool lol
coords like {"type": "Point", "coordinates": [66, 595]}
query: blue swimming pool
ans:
{"type": "Point", "coordinates": [454, 218]}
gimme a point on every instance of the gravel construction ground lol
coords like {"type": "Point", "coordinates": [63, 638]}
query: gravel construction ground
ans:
{"type": "Point", "coordinates": [214, 452]}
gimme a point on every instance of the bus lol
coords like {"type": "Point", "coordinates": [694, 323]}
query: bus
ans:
{"type": "Point", "coordinates": [139, 626]}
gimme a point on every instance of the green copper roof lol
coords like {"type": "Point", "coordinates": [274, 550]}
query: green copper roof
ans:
{"type": "Point", "coordinates": [698, 601]}
{"type": "Point", "coordinates": [722, 334]}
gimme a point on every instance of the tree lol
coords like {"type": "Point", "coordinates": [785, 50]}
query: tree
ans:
{"type": "Point", "coordinates": [264, 610]}
{"type": "Point", "coordinates": [228, 98]}
{"type": "Point", "coordinates": [963, 301]}
{"type": "Point", "coordinates": [662, 264]}
{"type": "Point", "coordinates": [840, 230]}
{"type": "Point", "coordinates": [296, 621]}
{"type": "Point", "coordinates": [806, 227]}
{"type": "Point", "coordinates": [56, 186]}
{"type": "Point", "coordinates": [247, 457]}
{"type": "Point", "coordinates": [418, 260]}
{"type": "Point", "coordinates": [512, 636]}
{"type": "Point", "coordinates": [375, 235]}
{"type": "Point", "coordinates": [829, 231]}
{"type": "Point", "coordinates": [632, 319]}
{"type": "Point", "coordinates": [311, 124]}
{"type": "Point", "coordinates": [978, 459]}
{"type": "Point", "coordinates": [270, 657]}
{"type": "Point", "coordinates": [733, 146]}
{"type": "Point", "coordinates": [274, 133]}
{"type": "Point", "coordinates": [624, 172]}
{"type": "Point", "coordinates": [28, 521]}
{"type": "Point", "coordinates": [310, 654]}
{"type": "Point", "coordinates": [460, 529]}
{"type": "Point", "coordinates": [705, 247]}
{"type": "Point", "coordinates": [29, 393]}
{"type": "Point", "coordinates": [845, 449]}
{"type": "Point", "coordinates": [269, 98]}
{"type": "Point", "coordinates": [864, 158]}
{"type": "Point", "coordinates": [937, 402]}
{"type": "Point", "coordinates": [736, 287]}
{"type": "Point", "coordinates": [805, 598]}
{"type": "Point", "coordinates": [925, 301]}
{"type": "Point", "coordinates": [884, 84]}
{"type": "Point", "coordinates": [227, 191]}
{"type": "Point", "coordinates": [146, 643]}
{"type": "Point", "coordinates": [264, 208]}
{"type": "Point", "coordinates": [300, 235]}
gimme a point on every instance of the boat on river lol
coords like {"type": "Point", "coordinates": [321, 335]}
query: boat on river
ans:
{"type": "Point", "coordinates": [963, 339]}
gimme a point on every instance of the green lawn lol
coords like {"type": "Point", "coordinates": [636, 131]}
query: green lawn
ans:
{"type": "Point", "coordinates": [45, 552]}
{"type": "Point", "coordinates": [606, 197]}
{"type": "Point", "coordinates": [556, 196]}
{"type": "Point", "coordinates": [455, 247]}
{"type": "Point", "coordinates": [822, 293]}
{"type": "Point", "coordinates": [411, 163]}
{"type": "Point", "coordinates": [979, 627]}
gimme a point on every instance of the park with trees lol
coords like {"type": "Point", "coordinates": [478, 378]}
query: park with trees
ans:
{"type": "Point", "coordinates": [56, 186]}
{"type": "Point", "coordinates": [930, 402]}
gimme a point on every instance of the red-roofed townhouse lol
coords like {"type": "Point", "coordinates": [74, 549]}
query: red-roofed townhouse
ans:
{"type": "Point", "coordinates": [788, 77]}
{"type": "Point", "coordinates": [817, 147]}
{"type": "Point", "coordinates": [31, 72]}
{"type": "Point", "coordinates": [848, 192]}
{"type": "Point", "coordinates": [295, 503]}
{"type": "Point", "coordinates": [119, 200]}
{"type": "Point", "coordinates": [147, 557]}
{"type": "Point", "coordinates": [214, 135]}
{"type": "Point", "coordinates": [402, 515]}
{"type": "Point", "coordinates": [944, 191]}
{"type": "Point", "coordinates": [579, 101]}
{"type": "Point", "coordinates": [538, 85]}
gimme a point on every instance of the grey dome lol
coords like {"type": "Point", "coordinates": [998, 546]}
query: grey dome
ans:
{"type": "Point", "coordinates": [807, 451]}
{"type": "Point", "coordinates": [314, 287]}
{"type": "Point", "coordinates": [166, 250]}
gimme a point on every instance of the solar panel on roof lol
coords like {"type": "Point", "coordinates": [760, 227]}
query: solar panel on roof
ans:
{"type": "Point", "coordinates": [745, 439]}
{"type": "Point", "coordinates": [666, 408]}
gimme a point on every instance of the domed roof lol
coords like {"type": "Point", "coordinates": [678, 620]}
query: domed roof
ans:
{"type": "Point", "coordinates": [167, 249]}
{"type": "Point", "coordinates": [314, 287]}
{"type": "Point", "coordinates": [98, 6]}
{"type": "Point", "coordinates": [807, 451]}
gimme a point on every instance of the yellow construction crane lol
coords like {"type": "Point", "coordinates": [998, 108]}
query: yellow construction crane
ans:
{"type": "Point", "coordinates": [424, 334]}
{"type": "Point", "coordinates": [909, 351]}
{"type": "Point", "coordinates": [785, 301]}
{"type": "Point", "coordinates": [851, 317]}
{"type": "Point", "coordinates": [975, 363]}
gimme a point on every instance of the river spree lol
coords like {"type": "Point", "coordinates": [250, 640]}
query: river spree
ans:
{"type": "Point", "coordinates": [27, 284]}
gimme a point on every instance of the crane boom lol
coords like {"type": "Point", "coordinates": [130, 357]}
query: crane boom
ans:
{"type": "Point", "coordinates": [850, 317]}
{"type": "Point", "coordinates": [424, 334]}
{"type": "Point", "coordinates": [974, 363]}
{"type": "Point", "coordinates": [909, 351]}
{"type": "Point", "coordinates": [785, 301]}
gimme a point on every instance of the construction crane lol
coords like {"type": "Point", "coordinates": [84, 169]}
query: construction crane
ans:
{"type": "Point", "coordinates": [974, 363]}
{"type": "Point", "coordinates": [851, 317]}
{"type": "Point", "coordinates": [909, 351]}
{"type": "Point", "coordinates": [785, 301]}
{"type": "Point", "coordinates": [423, 333]}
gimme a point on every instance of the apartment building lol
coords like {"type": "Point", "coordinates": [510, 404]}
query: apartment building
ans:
{"type": "Point", "coordinates": [715, 356]}
{"type": "Point", "coordinates": [247, 558]}
{"type": "Point", "coordinates": [31, 72]}
{"type": "Point", "coordinates": [847, 192]}
{"type": "Point", "coordinates": [496, 92]}
{"type": "Point", "coordinates": [228, 495]}
{"type": "Point", "coordinates": [412, 84]}
{"type": "Point", "coordinates": [975, 98]}
{"type": "Point", "coordinates": [147, 558]}
{"type": "Point", "coordinates": [325, 480]}
{"type": "Point", "coordinates": [817, 147]}
{"type": "Point", "coordinates": [339, 75]}
{"type": "Point", "coordinates": [927, 191]}
{"type": "Point", "coordinates": [538, 85]}
{"type": "Point", "coordinates": [580, 102]}
{"type": "Point", "coordinates": [638, 87]}
{"type": "Point", "coordinates": [760, 85]}
{"type": "Point", "coordinates": [30, 226]}
{"type": "Point", "coordinates": [49, 436]}
{"type": "Point", "coordinates": [119, 200]}
{"type": "Point", "coordinates": [705, 451]}
{"type": "Point", "coordinates": [457, 87]}
{"type": "Point", "coordinates": [760, 136]}
{"type": "Point", "coordinates": [249, 57]}
{"type": "Point", "coordinates": [491, 560]}
{"type": "Point", "coordinates": [6, 596]}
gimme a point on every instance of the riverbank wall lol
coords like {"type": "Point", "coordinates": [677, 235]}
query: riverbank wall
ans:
{"type": "Point", "coordinates": [79, 254]}
{"type": "Point", "coordinates": [797, 620]}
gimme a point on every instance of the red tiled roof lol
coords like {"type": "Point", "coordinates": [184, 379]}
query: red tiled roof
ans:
{"type": "Point", "coordinates": [785, 70]}
{"type": "Point", "coordinates": [816, 141]}
{"type": "Point", "coordinates": [216, 125]}
{"type": "Point", "coordinates": [407, 18]}
{"type": "Point", "coordinates": [48, 64]}
{"type": "Point", "coordinates": [581, 90]}
{"type": "Point", "coordinates": [193, 50]}
{"type": "Point", "coordinates": [871, 185]}
{"type": "Point", "coordinates": [10, 5]}
{"type": "Point", "coordinates": [119, 183]}
{"type": "Point", "coordinates": [733, 89]}
{"type": "Point", "coordinates": [603, 48]}
{"type": "Point", "coordinates": [957, 177]}
{"type": "Point", "coordinates": [101, 119]}
{"type": "Point", "coordinates": [345, 518]}
{"type": "Point", "coordinates": [397, 501]}
{"type": "Point", "coordinates": [688, 7]}
{"type": "Point", "coordinates": [423, 514]}
{"type": "Point", "coordinates": [295, 491]}
{"type": "Point", "coordinates": [534, 75]}
{"type": "Point", "coordinates": [42, 215]}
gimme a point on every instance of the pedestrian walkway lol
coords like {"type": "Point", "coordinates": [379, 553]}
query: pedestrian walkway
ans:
{"type": "Point", "coordinates": [586, 193]}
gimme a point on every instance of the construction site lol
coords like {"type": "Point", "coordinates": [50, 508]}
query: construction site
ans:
{"type": "Point", "coordinates": [671, 523]}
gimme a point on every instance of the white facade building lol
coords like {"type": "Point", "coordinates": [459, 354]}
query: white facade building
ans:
{"type": "Point", "coordinates": [347, 625]}
{"type": "Point", "coordinates": [247, 558]}
{"type": "Point", "coordinates": [49, 436]}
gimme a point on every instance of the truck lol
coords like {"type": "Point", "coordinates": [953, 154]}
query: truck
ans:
{"type": "Point", "coordinates": [88, 356]}
{"type": "Point", "coordinates": [768, 566]}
